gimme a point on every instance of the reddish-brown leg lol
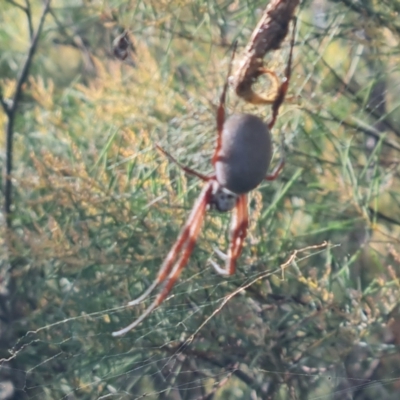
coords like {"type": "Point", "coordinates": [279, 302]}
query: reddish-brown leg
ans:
{"type": "Point", "coordinates": [179, 244]}
{"type": "Point", "coordinates": [181, 166]}
{"type": "Point", "coordinates": [239, 234]}
{"type": "Point", "coordinates": [278, 168]}
{"type": "Point", "coordinates": [275, 173]}
{"type": "Point", "coordinates": [221, 110]}
{"type": "Point", "coordinates": [169, 273]}
{"type": "Point", "coordinates": [240, 222]}
{"type": "Point", "coordinates": [280, 97]}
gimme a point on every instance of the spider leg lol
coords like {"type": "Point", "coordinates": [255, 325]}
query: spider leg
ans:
{"type": "Point", "coordinates": [220, 253]}
{"type": "Point", "coordinates": [177, 247]}
{"type": "Point", "coordinates": [276, 171]}
{"type": "Point", "coordinates": [280, 97]}
{"type": "Point", "coordinates": [238, 234]}
{"type": "Point", "coordinates": [181, 166]}
{"type": "Point", "coordinates": [221, 109]}
{"type": "Point", "coordinates": [168, 273]}
{"type": "Point", "coordinates": [167, 264]}
{"type": "Point", "coordinates": [240, 222]}
{"type": "Point", "coordinates": [278, 168]}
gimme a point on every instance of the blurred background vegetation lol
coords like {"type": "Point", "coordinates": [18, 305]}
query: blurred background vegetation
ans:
{"type": "Point", "coordinates": [96, 208]}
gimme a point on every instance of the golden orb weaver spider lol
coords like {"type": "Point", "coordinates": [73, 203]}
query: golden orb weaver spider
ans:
{"type": "Point", "coordinates": [241, 159]}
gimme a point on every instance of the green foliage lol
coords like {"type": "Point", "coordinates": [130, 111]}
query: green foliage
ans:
{"type": "Point", "coordinates": [97, 208]}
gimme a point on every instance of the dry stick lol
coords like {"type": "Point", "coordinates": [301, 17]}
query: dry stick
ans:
{"type": "Point", "coordinates": [389, 125]}
{"type": "Point", "coordinates": [27, 11]}
{"type": "Point", "coordinates": [268, 35]}
{"type": "Point", "coordinates": [10, 109]}
{"type": "Point", "coordinates": [220, 384]}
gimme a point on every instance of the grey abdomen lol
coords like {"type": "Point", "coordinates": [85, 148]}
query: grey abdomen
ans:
{"type": "Point", "coordinates": [246, 151]}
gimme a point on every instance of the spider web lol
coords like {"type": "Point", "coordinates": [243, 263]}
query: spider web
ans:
{"type": "Point", "coordinates": [176, 352]}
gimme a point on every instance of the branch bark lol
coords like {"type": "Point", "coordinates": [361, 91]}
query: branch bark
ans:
{"type": "Point", "coordinates": [10, 107]}
{"type": "Point", "coordinates": [268, 35]}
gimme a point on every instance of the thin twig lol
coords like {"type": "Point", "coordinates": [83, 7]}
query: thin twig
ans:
{"type": "Point", "coordinates": [349, 89]}
{"type": "Point", "coordinates": [77, 42]}
{"type": "Point", "coordinates": [14, 3]}
{"type": "Point", "coordinates": [4, 103]}
{"type": "Point", "coordinates": [29, 17]}
{"type": "Point", "coordinates": [11, 109]}
{"type": "Point", "coordinates": [220, 384]}
{"type": "Point", "coordinates": [27, 11]}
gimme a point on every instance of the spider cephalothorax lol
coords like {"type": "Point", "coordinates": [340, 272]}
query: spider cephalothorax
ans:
{"type": "Point", "coordinates": [241, 159]}
{"type": "Point", "coordinates": [221, 199]}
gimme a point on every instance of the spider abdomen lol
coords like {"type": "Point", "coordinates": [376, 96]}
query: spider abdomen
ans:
{"type": "Point", "coordinates": [245, 153]}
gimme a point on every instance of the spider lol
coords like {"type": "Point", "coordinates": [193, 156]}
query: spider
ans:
{"type": "Point", "coordinates": [241, 159]}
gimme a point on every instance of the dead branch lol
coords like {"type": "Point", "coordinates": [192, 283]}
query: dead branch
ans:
{"type": "Point", "coordinates": [267, 36]}
{"type": "Point", "coordinates": [10, 107]}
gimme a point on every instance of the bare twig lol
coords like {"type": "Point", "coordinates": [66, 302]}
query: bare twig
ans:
{"type": "Point", "coordinates": [27, 11]}
{"type": "Point", "coordinates": [11, 109]}
{"type": "Point", "coordinates": [353, 91]}
{"type": "Point", "coordinates": [29, 17]}
{"type": "Point", "coordinates": [4, 103]}
{"type": "Point", "coordinates": [77, 42]}
{"type": "Point", "coordinates": [14, 3]}
{"type": "Point", "coordinates": [267, 36]}
{"type": "Point", "coordinates": [358, 125]}
{"type": "Point", "coordinates": [379, 18]}
{"type": "Point", "coordinates": [220, 384]}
